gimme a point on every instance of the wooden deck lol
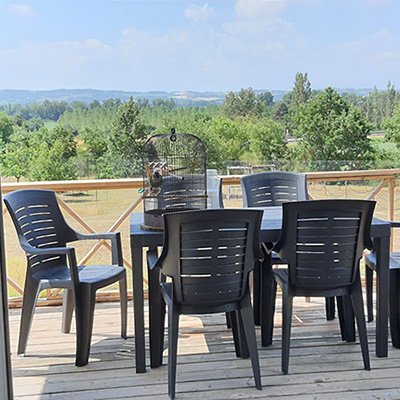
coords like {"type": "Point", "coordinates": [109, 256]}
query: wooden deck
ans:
{"type": "Point", "coordinates": [321, 366]}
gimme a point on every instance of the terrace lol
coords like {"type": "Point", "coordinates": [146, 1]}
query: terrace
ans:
{"type": "Point", "coordinates": [321, 365]}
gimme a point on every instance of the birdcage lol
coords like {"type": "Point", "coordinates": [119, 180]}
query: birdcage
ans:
{"type": "Point", "coordinates": [174, 177]}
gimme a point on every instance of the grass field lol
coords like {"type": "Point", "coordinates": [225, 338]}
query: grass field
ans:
{"type": "Point", "coordinates": [100, 209]}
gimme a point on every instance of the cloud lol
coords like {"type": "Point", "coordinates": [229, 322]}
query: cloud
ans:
{"type": "Point", "coordinates": [197, 13]}
{"type": "Point", "coordinates": [254, 18]}
{"type": "Point", "coordinates": [22, 9]}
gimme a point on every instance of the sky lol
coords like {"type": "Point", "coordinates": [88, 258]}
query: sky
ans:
{"type": "Point", "coordinates": [182, 45]}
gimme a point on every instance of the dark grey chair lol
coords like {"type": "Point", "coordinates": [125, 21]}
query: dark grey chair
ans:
{"type": "Point", "coordinates": [322, 242]}
{"type": "Point", "coordinates": [208, 254]}
{"type": "Point", "coordinates": [394, 290]}
{"type": "Point", "coordinates": [43, 234]}
{"type": "Point", "coordinates": [269, 189]}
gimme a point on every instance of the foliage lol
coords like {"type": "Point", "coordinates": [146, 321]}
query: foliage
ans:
{"type": "Point", "coordinates": [127, 138]}
{"type": "Point", "coordinates": [40, 155]}
{"type": "Point", "coordinates": [6, 128]}
{"type": "Point", "coordinates": [330, 128]}
{"type": "Point", "coordinates": [243, 104]}
{"type": "Point", "coordinates": [267, 140]}
{"type": "Point", "coordinates": [301, 90]}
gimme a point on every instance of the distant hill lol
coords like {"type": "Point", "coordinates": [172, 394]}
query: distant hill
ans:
{"type": "Point", "coordinates": [88, 95]}
{"type": "Point", "coordinates": [182, 98]}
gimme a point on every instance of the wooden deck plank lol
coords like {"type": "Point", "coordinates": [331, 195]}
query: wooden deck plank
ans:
{"type": "Point", "coordinates": [321, 365]}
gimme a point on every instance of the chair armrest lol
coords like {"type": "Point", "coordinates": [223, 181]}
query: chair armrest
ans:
{"type": "Point", "coordinates": [57, 251]}
{"type": "Point", "coordinates": [30, 250]}
{"type": "Point", "coordinates": [94, 236]}
{"type": "Point", "coordinates": [116, 248]}
{"type": "Point", "coordinates": [395, 224]}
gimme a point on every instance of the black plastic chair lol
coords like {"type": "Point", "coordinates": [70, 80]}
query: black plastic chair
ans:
{"type": "Point", "coordinates": [270, 189]}
{"type": "Point", "coordinates": [209, 254]}
{"type": "Point", "coordinates": [267, 189]}
{"type": "Point", "coordinates": [394, 290]}
{"type": "Point", "coordinates": [322, 242]}
{"type": "Point", "coordinates": [43, 234]}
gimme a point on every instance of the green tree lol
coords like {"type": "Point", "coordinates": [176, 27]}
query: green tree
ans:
{"type": "Point", "coordinates": [127, 138]}
{"type": "Point", "coordinates": [49, 163]}
{"type": "Point", "coordinates": [267, 98]}
{"type": "Point", "coordinates": [6, 128]}
{"type": "Point", "coordinates": [267, 140]}
{"type": "Point", "coordinates": [301, 90]}
{"type": "Point", "coordinates": [245, 103]}
{"type": "Point", "coordinates": [332, 129]}
{"type": "Point", "coordinates": [18, 155]}
{"type": "Point", "coordinates": [392, 127]}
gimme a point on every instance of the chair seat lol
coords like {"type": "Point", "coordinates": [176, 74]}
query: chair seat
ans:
{"type": "Point", "coordinates": [394, 263]}
{"type": "Point", "coordinates": [89, 274]}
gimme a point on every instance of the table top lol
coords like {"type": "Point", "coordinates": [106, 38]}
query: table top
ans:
{"type": "Point", "coordinates": [270, 228]}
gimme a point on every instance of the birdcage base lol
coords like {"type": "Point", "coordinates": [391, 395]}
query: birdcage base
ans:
{"type": "Point", "coordinates": [154, 219]}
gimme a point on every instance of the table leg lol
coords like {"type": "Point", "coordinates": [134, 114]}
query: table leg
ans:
{"type": "Point", "coordinates": [394, 307]}
{"type": "Point", "coordinates": [382, 248]}
{"type": "Point", "coordinates": [156, 316]}
{"type": "Point", "coordinates": [138, 310]}
{"type": "Point", "coordinates": [267, 301]}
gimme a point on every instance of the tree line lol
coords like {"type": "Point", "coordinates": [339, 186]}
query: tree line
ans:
{"type": "Point", "coordinates": [308, 128]}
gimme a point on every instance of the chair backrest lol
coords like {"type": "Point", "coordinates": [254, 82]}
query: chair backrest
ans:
{"type": "Point", "coordinates": [39, 223]}
{"type": "Point", "coordinates": [209, 254]}
{"type": "Point", "coordinates": [323, 241]}
{"type": "Point", "coordinates": [266, 189]}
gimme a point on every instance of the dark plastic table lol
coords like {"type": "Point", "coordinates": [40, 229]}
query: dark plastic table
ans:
{"type": "Point", "coordinates": [270, 230]}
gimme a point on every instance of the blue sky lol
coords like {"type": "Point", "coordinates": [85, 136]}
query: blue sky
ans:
{"type": "Point", "coordinates": [143, 45]}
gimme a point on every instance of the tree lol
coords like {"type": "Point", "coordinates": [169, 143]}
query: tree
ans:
{"type": "Point", "coordinates": [17, 157]}
{"type": "Point", "coordinates": [330, 128]}
{"type": "Point", "coordinates": [392, 127]}
{"type": "Point", "coordinates": [40, 155]}
{"type": "Point", "coordinates": [128, 136]}
{"type": "Point", "coordinates": [49, 164]}
{"type": "Point", "coordinates": [267, 140]}
{"type": "Point", "coordinates": [245, 103]}
{"type": "Point", "coordinates": [6, 128]}
{"type": "Point", "coordinates": [301, 90]}
{"type": "Point", "coordinates": [267, 98]}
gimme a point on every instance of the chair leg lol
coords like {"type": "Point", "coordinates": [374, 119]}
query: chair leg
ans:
{"type": "Point", "coordinates": [369, 274]}
{"type": "Point", "coordinates": [31, 292]}
{"type": "Point", "coordinates": [84, 313]}
{"type": "Point", "coordinates": [346, 316]}
{"type": "Point", "coordinates": [68, 308]}
{"type": "Point", "coordinates": [249, 329]}
{"type": "Point", "coordinates": [330, 308]}
{"type": "Point", "coordinates": [287, 310]}
{"type": "Point", "coordinates": [173, 329]}
{"type": "Point", "coordinates": [123, 294]}
{"type": "Point", "coordinates": [342, 316]}
{"type": "Point", "coordinates": [239, 335]}
{"type": "Point", "coordinates": [257, 292]}
{"type": "Point", "coordinates": [358, 306]}
{"type": "Point", "coordinates": [394, 307]}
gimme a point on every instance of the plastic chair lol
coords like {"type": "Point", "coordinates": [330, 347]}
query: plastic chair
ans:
{"type": "Point", "coordinates": [394, 290]}
{"type": "Point", "coordinates": [209, 254]}
{"type": "Point", "coordinates": [43, 234]}
{"type": "Point", "coordinates": [270, 189]}
{"type": "Point", "coordinates": [267, 189]}
{"type": "Point", "coordinates": [322, 242]}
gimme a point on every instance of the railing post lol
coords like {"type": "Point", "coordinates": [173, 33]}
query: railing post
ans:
{"type": "Point", "coordinates": [391, 207]}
